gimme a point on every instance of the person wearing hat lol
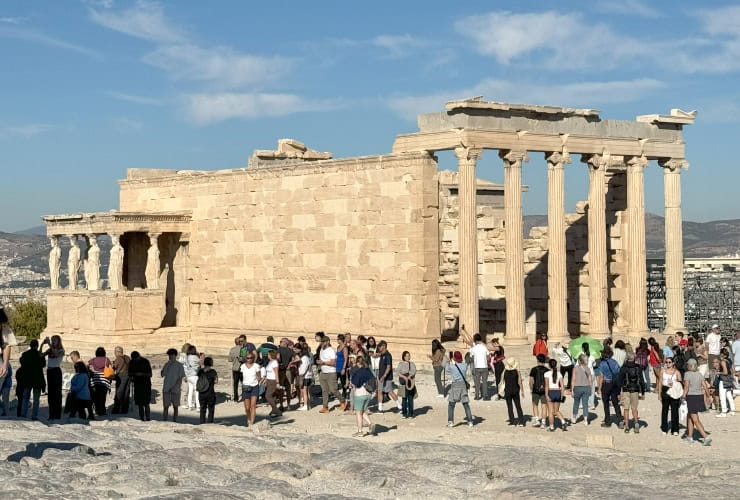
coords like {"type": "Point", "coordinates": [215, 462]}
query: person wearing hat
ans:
{"type": "Point", "coordinates": [512, 388]}
{"type": "Point", "coordinates": [458, 389]}
{"type": "Point", "coordinates": [714, 344]}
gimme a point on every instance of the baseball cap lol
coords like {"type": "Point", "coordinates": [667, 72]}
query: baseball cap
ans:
{"type": "Point", "coordinates": [715, 326]}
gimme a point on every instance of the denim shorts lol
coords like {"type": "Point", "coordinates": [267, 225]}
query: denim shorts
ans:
{"type": "Point", "coordinates": [555, 396]}
{"type": "Point", "coordinates": [250, 391]}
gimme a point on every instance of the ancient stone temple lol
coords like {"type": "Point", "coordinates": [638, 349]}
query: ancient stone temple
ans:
{"type": "Point", "coordinates": [385, 245]}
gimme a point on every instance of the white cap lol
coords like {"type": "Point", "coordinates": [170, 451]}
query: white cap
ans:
{"type": "Point", "coordinates": [715, 326]}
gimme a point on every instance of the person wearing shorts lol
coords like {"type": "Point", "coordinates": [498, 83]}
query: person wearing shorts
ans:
{"type": "Point", "coordinates": [252, 382]}
{"type": "Point", "coordinates": [360, 375]}
{"type": "Point", "coordinates": [631, 379]}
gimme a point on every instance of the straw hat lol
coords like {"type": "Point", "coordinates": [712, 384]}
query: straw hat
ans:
{"type": "Point", "coordinates": [511, 364]}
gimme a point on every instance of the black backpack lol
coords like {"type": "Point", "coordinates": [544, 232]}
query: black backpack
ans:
{"type": "Point", "coordinates": [679, 362]}
{"type": "Point", "coordinates": [632, 378]}
{"type": "Point", "coordinates": [539, 380]}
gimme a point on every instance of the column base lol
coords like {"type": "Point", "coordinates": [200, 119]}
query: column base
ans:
{"type": "Point", "coordinates": [516, 341]}
{"type": "Point", "coordinates": [672, 330]}
{"type": "Point", "coordinates": [639, 334]}
{"type": "Point", "coordinates": [599, 335]}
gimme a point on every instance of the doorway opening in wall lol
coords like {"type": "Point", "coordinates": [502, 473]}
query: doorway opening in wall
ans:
{"type": "Point", "coordinates": [135, 245]}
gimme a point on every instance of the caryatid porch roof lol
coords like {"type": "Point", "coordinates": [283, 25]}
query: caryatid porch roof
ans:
{"type": "Point", "coordinates": [114, 222]}
{"type": "Point", "coordinates": [480, 124]}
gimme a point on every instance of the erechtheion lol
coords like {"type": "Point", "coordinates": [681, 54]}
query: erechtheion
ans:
{"type": "Point", "coordinates": [298, 241]}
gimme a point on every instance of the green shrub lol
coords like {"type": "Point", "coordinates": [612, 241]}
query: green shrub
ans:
{"type": "Point", "coordinates": [28, 319]}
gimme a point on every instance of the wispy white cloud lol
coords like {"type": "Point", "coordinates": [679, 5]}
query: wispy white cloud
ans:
{"type": "Point", "coordinates": [25, 129]}
{"type": "Point", "coordinates": [721, 21]}
{"type": "Point", "coordinates": [220, 66]}
{"type": "Point", "coordinates": [580, 94]}
{"type": "Point", "coordinates": [14, 30]}
{"type": "Point", "coordinates": [554, 39]}
{"type": "Point", "coordinates": [136, 99]}
{"type": "Point", "coordinates": [629, 8]}
{"type": "Point", "coordinates": [205, 109]}
{"type": "Point", "coordinates": [12, 20]}
{"type": "Point", "coordinates": [398, 46]}
{"type": "Point", "coordinates": [144, 20]}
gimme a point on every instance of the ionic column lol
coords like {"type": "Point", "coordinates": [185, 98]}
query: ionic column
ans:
{"type": "Point", "coordinates": [152, 262]}
{"type": "Point", "coordinates": [636, 253]}
{"type": "Point", "coordinates": [115, 266]}
{"type": "Point", "coordinates": [673, 245]}
{"type": "Point", "coordinates": [597, 271]}
{"type": "Point", "coordinates": [557, 280]}
{"type": "Point", "coordinates": [514, 245]}
{"type": "Point", "coordinates": [467, 234]}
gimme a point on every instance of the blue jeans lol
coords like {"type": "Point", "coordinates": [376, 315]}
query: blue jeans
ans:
{"type": "Point", "coordinates": [26, 401]}
{"type": "Point", "coordinates": [646, 373]}
{"type": "Point", "coordinates": [451, 411]}
{"type": "Point", "coordinates": [581, 395]}
{"type": "Point", "coordinates": [407, 404]}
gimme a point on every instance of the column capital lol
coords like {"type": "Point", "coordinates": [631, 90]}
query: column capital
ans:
{"type": "Point", "coordinates": [512, 157]}
{"type": "Point", "coordinates": [557, 159]}
{"type": "Point", "coordinates": [468, 154]}
{"type": "Point", "coordinates": [637, 162]}
{"type": "Point", "coordinates": [674, 164]}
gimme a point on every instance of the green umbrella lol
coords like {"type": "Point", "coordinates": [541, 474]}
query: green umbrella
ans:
{"type": "Point", "coordinates": [575, 346]}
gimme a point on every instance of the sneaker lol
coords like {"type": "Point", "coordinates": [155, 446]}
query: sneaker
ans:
{"type": "Point", "coordinates": [637, 428]}
{"type": "Point", "coordinates": [470, 423]}
{"type": "Point", "coordinates": [399, 406]}
{"type": "Point", "coordinates": [536, 423]}
{"type": "Point", "coordinates": [324, 410]}
{"type": "Point", "coordinates": [732, 413]}
{"type": "Point", "coordinates": [706, 441]}
{"type": "Point", "coordinates": [521, 424]}
{"type": "Point", "coordinates": [380, 408]}
{"type": "Point", "coordinates": [626, 430]}
{"type": "Point", "coordinates": [544, 422]}
{"type": "Point", "coordinates": [721, 415]}
{"type": "Point", "coordinates": [450, 424]}
{"type": "Point", "coordinates": [551, 429]}
{"type": "Point", "coordinates": [586, 422]}
{"type": "Point", "coordinates": [440, 396]}
{"type": "Point", "coordinates": [303, 408]}
{"type": "Point", "coordinates": [674, 433]}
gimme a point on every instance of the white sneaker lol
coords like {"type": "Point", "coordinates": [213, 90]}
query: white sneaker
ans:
{"type": "Point", "coordinates": [721, 415]}
{"type": "Point", "coordinates": [440, 395]}
{"type": "Point", "coordinates": [303, 408]}
{"type": "Point", "coordinates": [450, 424]}
{"type": "Point", "coordinates": [399, 406]}
{"type": "Point", "coordinates": [380, 408]}
{"type": "Point", "coordinates": [732, 413]}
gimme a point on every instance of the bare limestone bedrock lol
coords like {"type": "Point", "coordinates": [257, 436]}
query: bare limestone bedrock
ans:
{"type": "Point", "coordinates": [385, 245]}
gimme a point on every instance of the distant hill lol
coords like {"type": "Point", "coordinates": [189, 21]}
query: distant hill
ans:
{"type": "Point", "coordinates": [33, 231]}
{"type": "Point", "coordinates": [700, 239]}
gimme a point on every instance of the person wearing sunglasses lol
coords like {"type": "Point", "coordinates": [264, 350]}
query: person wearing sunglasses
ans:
{"type": "Point", "coordinates": [251, 380]}
{"type": "Point", "coordinates": [669, 395]}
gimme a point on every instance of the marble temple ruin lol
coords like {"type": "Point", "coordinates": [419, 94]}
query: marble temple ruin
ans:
{"type": "Point", "coordinates": [387, 245]}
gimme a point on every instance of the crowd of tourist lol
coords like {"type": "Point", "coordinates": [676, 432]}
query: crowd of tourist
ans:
{"type": "Point", "coordinates": [690, 376]}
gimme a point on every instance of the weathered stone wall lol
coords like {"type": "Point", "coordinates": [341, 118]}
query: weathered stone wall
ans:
{"type": "Point", "coordinates": [338, 245]}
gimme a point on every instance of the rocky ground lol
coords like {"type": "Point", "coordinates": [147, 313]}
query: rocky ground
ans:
{"type": "Point", "coordinates": [306, 454]}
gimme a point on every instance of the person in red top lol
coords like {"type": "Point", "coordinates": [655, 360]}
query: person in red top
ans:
{"type": "Point", "coordinates": [682, 340]}
{"type": "Point", "coordinates": [540, 345]}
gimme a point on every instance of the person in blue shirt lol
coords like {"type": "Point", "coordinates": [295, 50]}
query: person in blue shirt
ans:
{"type": "Point", "coordinates": [608, 387]}
{"type": "Point", "coordinates": [79, 393]}
{"type": "Point", "coordinates": [458, 389]}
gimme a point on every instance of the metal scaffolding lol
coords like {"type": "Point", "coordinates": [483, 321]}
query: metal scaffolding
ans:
{"type": "Point", "coordinates": [711, 295]}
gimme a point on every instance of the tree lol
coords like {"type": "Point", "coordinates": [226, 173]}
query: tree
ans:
{"type": "Point", "coordinates": [28, 319]}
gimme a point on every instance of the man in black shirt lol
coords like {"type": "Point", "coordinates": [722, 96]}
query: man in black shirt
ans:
{"type": "Point", "coordinates": [385, 376]}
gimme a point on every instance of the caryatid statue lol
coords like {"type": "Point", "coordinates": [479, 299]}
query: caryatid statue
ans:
{"type": "Point", "coordinates": [152, 262]}
{"type": "Point", "coordinates": [55, 262]}
{"type": "Point", "coordinates": [115, 266]}
{"type": "Point", "coordinates": [92, 264]}
{"type": "Point", "coordinates": [73, 262]}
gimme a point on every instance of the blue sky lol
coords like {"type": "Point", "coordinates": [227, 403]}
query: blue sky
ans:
{"type": "Point", "coordinates": [90, 88]}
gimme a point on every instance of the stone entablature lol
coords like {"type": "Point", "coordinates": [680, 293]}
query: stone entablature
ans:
{"type": "Point", "coordinates": [114, 222]}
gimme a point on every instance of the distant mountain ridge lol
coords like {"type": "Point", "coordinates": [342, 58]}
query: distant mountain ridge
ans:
{"type": "Point", "coordinates": [700, 239]}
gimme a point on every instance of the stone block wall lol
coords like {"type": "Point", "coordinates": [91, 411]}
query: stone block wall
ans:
{"type": "Point", "coordinates": [337, 245]}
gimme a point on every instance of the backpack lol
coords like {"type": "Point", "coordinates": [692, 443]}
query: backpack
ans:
{"type": "Point", "coordinates": [679, 362]}
{"type": "Point", "coordinates": [641, 359]}
{"type": "Point", "coordinates": [632, 377]}
{"type": "Point", "coordinates": [203, 384]}
{"type": "Point", "coordinates": [539, 380]}
{"type": "Point", "coordinates": [371, 386]}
